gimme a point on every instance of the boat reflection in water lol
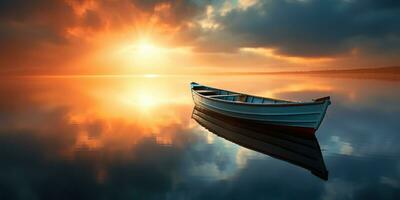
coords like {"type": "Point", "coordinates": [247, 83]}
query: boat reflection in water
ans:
{"type": "Point", "coordinates": [298, 149]}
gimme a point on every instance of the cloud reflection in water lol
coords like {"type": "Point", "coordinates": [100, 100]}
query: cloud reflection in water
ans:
{"type": "Point", "coordinates": [79, 139]}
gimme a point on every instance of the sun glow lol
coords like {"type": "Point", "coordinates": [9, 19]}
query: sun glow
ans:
{"type": "Point", "coordinates": [145, 48]}
{"type": "Point", "coordinates": [147, 54]}
{"type": "Point", "coordinates": [144, 56]}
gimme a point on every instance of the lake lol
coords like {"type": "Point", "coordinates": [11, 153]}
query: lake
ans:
{"type": "Point", "coordinates": [120, 137]}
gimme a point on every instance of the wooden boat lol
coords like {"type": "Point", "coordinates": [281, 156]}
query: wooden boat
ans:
{"type": "Point", "coordinates": [302, 151]}
{"type": "Point", "coordinates": [304, 117]}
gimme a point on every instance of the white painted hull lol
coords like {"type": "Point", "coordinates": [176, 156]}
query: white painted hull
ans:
{"type": "Point", "coordinates": [308, 115]}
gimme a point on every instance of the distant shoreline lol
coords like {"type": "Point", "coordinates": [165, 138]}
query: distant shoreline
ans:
{"type": "Point", "coordinates": [395, 69]}
{"type": "Point", "coordinates": [382, 73]}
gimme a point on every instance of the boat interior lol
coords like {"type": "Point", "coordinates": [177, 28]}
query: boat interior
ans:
{"type": "Point", "coordinates": [234, 96]}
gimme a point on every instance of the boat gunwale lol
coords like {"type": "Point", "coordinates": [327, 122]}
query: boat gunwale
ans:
{"type": "Point", "coordinates": [289, 103]}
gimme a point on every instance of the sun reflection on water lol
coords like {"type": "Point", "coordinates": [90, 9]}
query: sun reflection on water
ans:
{"type": "Point", "coordinates": [121, 128]}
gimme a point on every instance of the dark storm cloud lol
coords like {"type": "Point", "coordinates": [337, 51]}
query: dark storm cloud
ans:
{"type": "Point", "coordinates": [315, 27]}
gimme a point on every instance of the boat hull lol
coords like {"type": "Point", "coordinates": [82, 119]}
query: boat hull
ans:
{"type": "Point", "coordinates": [305, 117]}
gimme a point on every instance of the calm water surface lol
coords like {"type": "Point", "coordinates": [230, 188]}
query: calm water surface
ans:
{"type": "Point", "coordinates": [133, 137]}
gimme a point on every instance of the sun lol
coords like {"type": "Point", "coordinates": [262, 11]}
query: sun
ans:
{"type": "Point", "coordinates": [144, 55]}
{"type": "Point", "coordinates": [147, 48]}
{"type": "Point", "coordinates": [148, 54]}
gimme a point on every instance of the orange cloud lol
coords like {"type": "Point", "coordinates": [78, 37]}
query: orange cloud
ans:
{"type": "Point", "coordinates": [87, 37]}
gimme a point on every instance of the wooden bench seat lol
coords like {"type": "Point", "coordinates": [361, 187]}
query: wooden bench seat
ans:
{"type": "Point", "coordinates": [205, 92]}
{"type": "Point", "coordinates": [224, 95]}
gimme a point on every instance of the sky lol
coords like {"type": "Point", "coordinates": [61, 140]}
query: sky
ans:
{"type": "Point", "coordinates": [44, 37]}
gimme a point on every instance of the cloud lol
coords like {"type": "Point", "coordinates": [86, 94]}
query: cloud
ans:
{"type": "Point", "coordinates": [310, 28]}
{"type": "Point", "coordinates": [50, 35]}
{"type": "Point", "coordinates": [61, 35]}
{"type": "Point", "coordinates": [27, 28]}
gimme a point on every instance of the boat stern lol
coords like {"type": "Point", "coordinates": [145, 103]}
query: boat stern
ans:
{"type": "Point", "coordinates": [322, 99]}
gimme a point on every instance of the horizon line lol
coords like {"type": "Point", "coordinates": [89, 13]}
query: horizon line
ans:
{"type": "Point", "coordinates": [389, 69]}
